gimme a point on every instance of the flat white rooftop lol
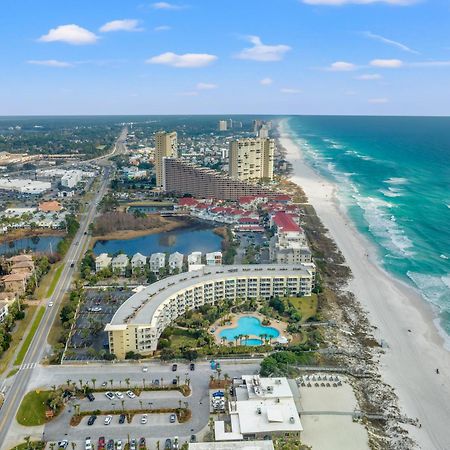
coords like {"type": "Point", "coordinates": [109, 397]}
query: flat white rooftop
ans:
{"type": "Point", "coordinates": [242, 445]}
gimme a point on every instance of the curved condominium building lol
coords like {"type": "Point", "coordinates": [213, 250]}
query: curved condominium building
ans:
{"type": "Point", "coordinates": [140, 320]}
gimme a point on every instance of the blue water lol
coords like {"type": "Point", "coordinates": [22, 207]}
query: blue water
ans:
{"type": "Point", "coordinates": [185, 241]}
{"type": "Point", "coordinates": [250, 326]}
{"type": "Point", "coordinates": [44, 244]}
{"type": "Point", "coordinates": [393, 177]}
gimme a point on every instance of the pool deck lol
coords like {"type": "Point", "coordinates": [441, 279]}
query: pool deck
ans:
{"type": "Point", "coordinates": [277, 324]}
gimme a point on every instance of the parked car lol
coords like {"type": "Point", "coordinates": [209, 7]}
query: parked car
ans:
{"type": "Point", "coordinates": [109, 395]}
{"type": "Point", "coordinates": [119, 395]}
{"type": "Point", "coordinates": [91, 420]}
{"type": "Point", "coordinates": [87, 444]}
{"type": "Point", "coordinates": [122, 418]}
{"type": "Point", "coordinates": [90, 397]}
{"type": "Point", "coordinates": [191, 366]}
{"type": "Point", "coordinates": [193, 438]}
{"type": "Point", "coordinates": [133, 444]}
{"type": "Point", "coordinates": [156, 382]}
{"type": "Point", "coordinates": [174, 367]}
{"type": "Point", "coordinates": [118, 444]}
{"type": "Point", "coordinates": [104, 384]}
{"type": "Point", "coordinates": [168, 444]}
{"type": "Point", "coordinates": [145, 369]}
{"type": "Point", "coordinates": [131, 394]}
{"type": "Point", "coordinates": [174, 381]}
{"type": "Point", "coordinates": [63, 444]}
{"type": "Point", "coordinates": [175, 444]}
{"type": "Point", "coordinates": [110, 445]}
{"type": "Point", "coordinates": [144, 419]}
{"type": "Point", "coordinates": [101, 443]}
{"type": "Point", "coordinates": [142, 443]}
{"type": "Point", "coordinates": [173, 418]}
{"type": "Point", "coordinates": [108, 420]}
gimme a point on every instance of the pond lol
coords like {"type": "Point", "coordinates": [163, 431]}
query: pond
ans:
{"type": "Point", "coordinates": [185, 240]}
{"type": "Point", "coordinates": [249, 326]}
{"type": "Point", "coordinates": [42, 244]}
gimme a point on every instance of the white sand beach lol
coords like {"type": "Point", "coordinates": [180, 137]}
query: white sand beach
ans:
{"type": "Point", "coordinates": [410, 362]}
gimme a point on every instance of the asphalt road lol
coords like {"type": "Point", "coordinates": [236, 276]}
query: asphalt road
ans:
{"type": "Point", "coordinates": [18, 388]}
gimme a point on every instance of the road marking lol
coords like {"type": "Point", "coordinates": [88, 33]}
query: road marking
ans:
{"type": "Point", "coordinates": [28, 366]}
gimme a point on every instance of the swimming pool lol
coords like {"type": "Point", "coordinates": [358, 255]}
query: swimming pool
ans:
{"type": "Point", "coordinates": [249, 326]}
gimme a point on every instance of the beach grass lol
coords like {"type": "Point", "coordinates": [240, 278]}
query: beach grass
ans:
{"type": "Point", "coordinates": [16, 337]}
{"type": "Point", "coordinates": [30, 336]}
{"type": "Point", "coordinates": [55, 280]}
{"type": "Point", "coordinates": [32, 409]}
{"type": "Point", "coordinates": [306, 306]}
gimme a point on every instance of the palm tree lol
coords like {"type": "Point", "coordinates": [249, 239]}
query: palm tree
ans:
{"type": "Point", "coordinates": [52, 446]}
{"type": "Point", "coordinates": [157, 445]}
{"type": "Point", "coordinates": [178, 379]}
{"type": "Point", "coordinates": [93, 382]}
{"type": "Point", "coordinates": [140, 402]}
{"type": "Point", "coordinates": [226, 377]}
{"type": "Point", "coordinates": [74, 445]}
{"type": "Point", "coordinates": [123, 404]}
{"type": "Point", "coordinates": [81, 383]}
{"type": "Point", "coordinates": [77, 409]}
{"type": "Point", "coordinates": [54, 387]}
{"type": "Point", "coordinates": [162, 381]}
{"type": "Point", "coordinates": [211, 424]}
{"type": "Point", "coordinates": [143, 382]}
{"type": "Point", "coordinates": [211, 378]}
{"type": "Point", "coordinates": [111, 383]}
{"type": "Point", "coordinates": [179, 404]}
{"type": "Point", "coordinates": [127, 381]}
{"type": "Point", "coordinates": [27, 441]}
{"type": "Point", "coordinates": [68, 381]}
{"type": "Point", "coordinates": [219, 371]}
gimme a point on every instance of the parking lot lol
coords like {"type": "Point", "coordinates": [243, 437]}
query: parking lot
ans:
{"type": "Point", "coordinates": [89, 339]}
{"type": "Point", "coordinates": [158, 426]}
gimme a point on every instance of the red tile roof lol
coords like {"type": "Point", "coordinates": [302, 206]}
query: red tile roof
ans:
{"type": "Point", "coordinates": [187, 201]}
{"type": "Point", "coordinates": [285, 222]}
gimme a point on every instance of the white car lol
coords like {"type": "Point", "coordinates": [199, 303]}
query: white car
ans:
{"type": "Point", "coordinates": [145, 369]}
{"type": "Point", "coordinates": [108, 420]}
{"type": "Point", "coordinates": [109, 395]}
{"type": "Point", "coordinates": [50, 304]}
{"type": "Point", "coordinates": [118, 444]}
{"type": "Point", "coordinates": [119, 395]}
{"type": "Point", "coordinates": [144, 419]}
{"type": "Point", "coordinates": [87, 444]}
{"type": "Point", "coordinates": [131, 394]}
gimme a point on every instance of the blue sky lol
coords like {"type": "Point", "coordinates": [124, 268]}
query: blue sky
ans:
{"type": "Point", "coordinates": [234, 56]}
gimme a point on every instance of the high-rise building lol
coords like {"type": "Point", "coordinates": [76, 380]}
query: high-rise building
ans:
{"type": "Point", "coordinates": [166, 145]}
{"type": "Point", "coordinates": [251, 158]}
{"type": "Point", "coordinates": [223, 125]}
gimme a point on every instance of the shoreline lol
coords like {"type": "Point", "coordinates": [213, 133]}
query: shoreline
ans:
{"type": "Point", "coordinates": [27, 233]}
{"type": "Point", "coordinates": [411, 357]}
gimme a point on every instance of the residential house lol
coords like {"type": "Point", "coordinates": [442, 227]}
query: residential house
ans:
{"type": "Point", "coordinates": [176, 262]}
{"type": "Point", "coordinates": [157, 261]}
{"type": "Point", "coordinates": [120, 263]}
{"type": "Point", "coordinates": [138, 262]}
{"type": "Point", "coordinates": [214, 259]}
{"type": "Point", "coordinates": [15, 282]}
{"type": "Point", "coordinates": [103, 261]}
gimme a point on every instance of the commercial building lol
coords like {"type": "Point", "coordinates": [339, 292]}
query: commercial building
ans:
{"type": "Point", "coordinates": [140, 320]}
{"type": "Point", "coordinates": [262, 408]}
{"type": "Point", "coordinates": [251, 159]}
{"type": "Point", "coordinates": [182, 177]}
{"type": "Point", "coordinates": [24, 186]}
{"type": "Point", "coordinates": [103, 261]}
{"type": "Point", "coordinates": [232, 445]}
{"type": "Point", "coordinates": [223, 125]}
{"type": "Point", "coordinates": [166, 145]}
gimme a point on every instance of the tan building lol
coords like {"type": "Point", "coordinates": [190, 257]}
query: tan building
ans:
{"type": "Point", "coordinates": [251, 159]}
{"type": "Point", "coordinates": [51, 206]}
{"type": "Point", "coordinates": [15, 282]}
{"type": "Point", "coordinates": [138, 323]}
{"type": "Point", "coordinates": [166, 145]}
{"type": "Point", "coordinates": [182, 177]}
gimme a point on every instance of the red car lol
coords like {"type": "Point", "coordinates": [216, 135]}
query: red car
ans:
{"type": "Point", "coordinates": [101, 443]}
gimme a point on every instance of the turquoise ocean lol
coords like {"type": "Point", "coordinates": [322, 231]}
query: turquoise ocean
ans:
{"type": "Point", "coordinates": [393, 178]}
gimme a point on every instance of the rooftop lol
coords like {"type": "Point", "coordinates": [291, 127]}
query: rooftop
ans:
{"type": "Point", "coordinates": [285, 222]}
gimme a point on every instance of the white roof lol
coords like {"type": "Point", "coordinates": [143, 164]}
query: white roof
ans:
{"type": "Point", "coordinates": [232, 445]}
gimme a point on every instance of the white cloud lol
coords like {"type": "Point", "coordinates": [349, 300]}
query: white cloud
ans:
{"type": "Point", "coordinates": [266, 81]}
{"type": "Point", "coordinates": [166, 5]}
{"type": "Point", "coordinates": [369, 76]}
{"type": "Point", "coordinates": [342, 66]}
{"type": "Point", "coordinates": [359, 2]}
{"type": "Point", "coordinates": [187, 60]}
{"type": "Point", "coordinates": [378, 101]}
{"type": "Point", "coordinates": [162, 28]}
{"type": "Point", "coordinates": [290, 91]}
{"type": "Point", "coordinates": [206, 86]}
{"type": "Point", "coordinates": [387, 41]}
{"type": "Point", "coordinates": [262, 52]}
{"type": "Point", "coordinates": [50, 63]}
{"type": "Point", "coordinates": [386, 63]}
{"type": "Point", "coordinates": [70, 34]}
{"type": "Point", "coordinates": [121, 25]}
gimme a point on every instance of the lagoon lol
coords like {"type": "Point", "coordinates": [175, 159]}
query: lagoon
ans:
{"type": "Point", "coordinates": [44, 244]}
{"type": "Point", "coordinates": [183, 240]}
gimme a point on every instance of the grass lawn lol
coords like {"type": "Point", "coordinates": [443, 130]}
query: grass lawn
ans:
{"type": "Point", "coordinates": [306, 306]}
{"type": "Point", "coordinates": [55, 280]}
{"type": "Point", "coordinates": [12, 372]}
{"type": "Point", "coordinates": [181, 339]}
{"type": "Point", "coordinates": [57, 328]}
{"type": "Point", "coordinates": [17, 336]}
{"type": "Point", "coordinates": [32, 409]}
{"type": "Point", "coordinates": [33, 445]}
{"type": "Point", "coordinates": [30, 336]}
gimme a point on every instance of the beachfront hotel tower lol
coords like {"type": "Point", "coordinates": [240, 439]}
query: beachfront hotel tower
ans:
{"type": "Point", "coordinates": [166, 145]}
{"type": "Point", "coordinates": [251, 159]}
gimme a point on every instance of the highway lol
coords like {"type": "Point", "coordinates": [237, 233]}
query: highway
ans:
{"type": "Point", "coordinates": [18, 388]}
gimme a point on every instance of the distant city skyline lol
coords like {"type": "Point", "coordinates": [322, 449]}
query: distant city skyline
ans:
{"type": "Point", "coordinates": [371, 57]}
